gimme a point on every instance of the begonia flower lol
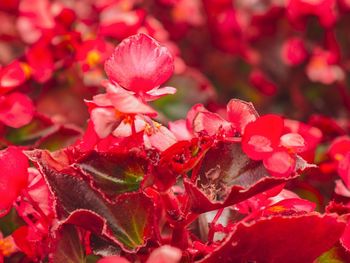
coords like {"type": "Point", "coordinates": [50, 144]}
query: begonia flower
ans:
{"type": "Point", "coordinates": [264, 140]}
{"type": "Point", "coordinates": [294, 51]}
{"type": "Point", "coordinates": [16, 109]}
{"type": "Point", "coordinates": [13, 178]}
{"type": "Point", "coordinates": [139, 64]}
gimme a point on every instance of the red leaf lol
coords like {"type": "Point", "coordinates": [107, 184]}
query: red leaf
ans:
{"type": "Point", "coordinates": [114, 173]}
{"type": "Point", "coordinates": [126, 221]}
{"type": "Point", "coordinates": [288, 239]}
{"type": "Point", "coordinates": [68, 246]}
{"type": "Point", "coordinates": [227, 176]}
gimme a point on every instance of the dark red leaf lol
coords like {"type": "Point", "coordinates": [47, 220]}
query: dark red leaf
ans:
{"type": "Point", "coordinates": [227, 176]}
{"type": "Point", "coordinates": [289, 239]}
{"type": "Point", "coordinates": [126, 221]}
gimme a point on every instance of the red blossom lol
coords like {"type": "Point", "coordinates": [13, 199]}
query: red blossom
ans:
{"type": "Point", "coordinates": [141, 65]}
{"type": "Point", "coordinates": [16, 109]}
{"type": "Point", "coordinates": [13, 75]}
{"type": "Point", "coordinates": [264, 140]}
{"type": "Point", "coordinates": [13, 177]}
{"type": "Point", "coordinates": [135, 175]}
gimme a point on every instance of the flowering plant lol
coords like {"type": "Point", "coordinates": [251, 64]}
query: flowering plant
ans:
{"type": "Point", "coordinates": [121, 140]}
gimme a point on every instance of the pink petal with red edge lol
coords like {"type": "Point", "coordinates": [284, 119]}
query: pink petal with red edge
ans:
{"type": "Point", "coordinates": [179, 129]}
{"type": "Point", "coordinates": [293, 141]}
{"type": "Point", "coordinates": [16, 110]}
{"type": "Point", "coordinates": [280, 164]}
{"type": "Point", "coordinates": [37, 189]}
{"type": "Point", "coordinates": [105, 120]}
{"type": "Point", "coordinates": [125, 127]}
{"type": "Point", "coordinates": [339, 148]}
{"type": "Point", "coordinates": [127, 103]}
{"type": "Point", "coordinates": [158, 93]}
{"type": "Point", "coordinates": [240, 113]}
{"type": "Point", "coordinates": [311, 135]}
{"type": "Point", "coordinates": [13, 176]}
{"type": "Point", "coordinates": [165, 254]}
{"type": "Point", "coordinates": [341, 189]}
{"type": "Point", "coordinates": [101, 100]}
{"type": "Point", "coordinates": [113, 259]}
{"type": "Point", "coordinates": [344, 169]}
{"type": "Point", "coordinates": [123, 101]}
{"type": "Point", "coordinates": [161, 138]}
{"type": "Point", "coordinates": [140, 64]}
{"type": "Point", "coordinates": [211, 123]}
{"type": "Point", "coordinates": [192, 113]}
{"type": "Point", "coordinates": [12, 76]}
{"type": "Point", "coordinates": [262, 136]}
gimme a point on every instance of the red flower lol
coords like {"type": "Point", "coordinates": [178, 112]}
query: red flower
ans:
{"type": "Point", "coordinates": [117, 105]}
{"type": "Point", "coordinates": [16, 109]}
{"type": "Point", "coordinates": [339, 152]}
{"type": "Point", "coordinates": [239, 114]}
{"type": "Point", "coordinates": [294, 51]}
{"type": "Point", "coordinates": [264, 140]}
{"type": "Point", "coordinates": [141, 65]}
{"type": "Point", "coordinates": [13, 75]}
{"type": "Point", "coordinates": [13, 176]}
{"type": "Point", "coordinates": [113, 259]}
{"type": "Point", "coordinates": [322, 69]}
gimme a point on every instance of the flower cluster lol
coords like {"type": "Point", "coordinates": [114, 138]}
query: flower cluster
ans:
{"type": "Point", "coordinates": [121, 142]}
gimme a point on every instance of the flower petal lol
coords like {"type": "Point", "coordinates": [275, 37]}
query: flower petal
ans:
{"type": "Point", "coordinates": [262, 136]}
{"type": "Point", "coordinates": [16, 109]}
{"type": "Point", "coordinates": [140, 64]}
{"type": "Point", "coordinates": [240, 113]}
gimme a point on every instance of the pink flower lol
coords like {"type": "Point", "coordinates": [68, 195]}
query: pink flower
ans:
{"type": "Point", "coordinates": [139, 64]}
{"type": "Point", "coordinates": [165, 254]}
{"type": "Point", "coordinates": [111, 109]}
{"type": "Point", "coordinates": [239, 114]}
{"type": "Point", "coordinates": [322, 69]}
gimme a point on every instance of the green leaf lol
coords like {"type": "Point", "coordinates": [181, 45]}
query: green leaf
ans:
{"type": "Point", "coordinates": [30, 133]}
{"type": "Point", "coordinates": [114, 173]}
{"type": "Point", "coordinates": [335, 255]}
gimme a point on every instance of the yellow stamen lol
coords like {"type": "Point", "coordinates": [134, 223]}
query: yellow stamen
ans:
{"type": "Point", "coordinates": [338, 157]}
{"type": "Point", "coordinates": [277, 208]}
{"type": "Point", "coordinates": [93, 58]}
{"type": "Point", "coordinates": [26, 69]}
{"type": "Point", "coordinates": [7, 246]}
